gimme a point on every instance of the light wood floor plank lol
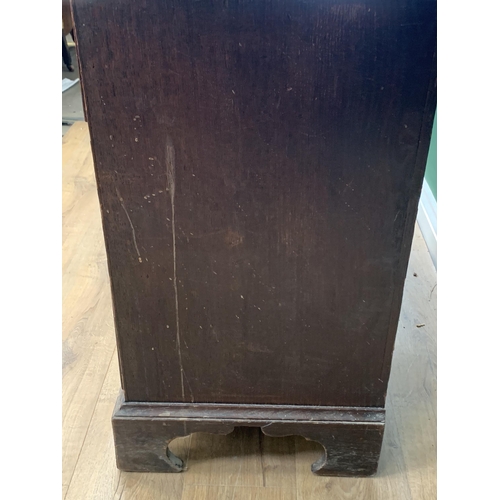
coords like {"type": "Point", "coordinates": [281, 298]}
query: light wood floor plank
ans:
{"type": "Point", "coordinates": [88, 335]}
{"type": "Point", "coordinates": [413, 386]}
{"type": "Point", "coordinates": [223, 492]}
{"type": "Point", "coordinates": [232, 460]}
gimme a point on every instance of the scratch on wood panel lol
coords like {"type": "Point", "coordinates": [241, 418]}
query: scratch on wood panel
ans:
{"type": "Point", "coordinates": [131, 225]}
{"type": "Point", "coordinates": [170, 161]}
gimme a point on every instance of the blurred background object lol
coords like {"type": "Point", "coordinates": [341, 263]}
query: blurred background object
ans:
{"type": "Point", "coordinates": [67, 28]}
{"type": "Point", "coordinates": [72, 107]}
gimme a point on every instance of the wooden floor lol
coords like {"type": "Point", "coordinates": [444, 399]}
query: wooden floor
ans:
{"type": "Point", "coordinates": [246, 464]}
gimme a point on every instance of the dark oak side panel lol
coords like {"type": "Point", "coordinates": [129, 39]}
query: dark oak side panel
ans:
{"type": "Point", "coordinates": [259, 164]}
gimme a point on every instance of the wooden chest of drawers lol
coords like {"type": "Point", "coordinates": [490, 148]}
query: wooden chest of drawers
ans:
{"type": "Point", "coordinates": [259, 165]}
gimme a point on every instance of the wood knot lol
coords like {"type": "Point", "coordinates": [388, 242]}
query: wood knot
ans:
{"type": "Point", "coordinates": [233, 239]}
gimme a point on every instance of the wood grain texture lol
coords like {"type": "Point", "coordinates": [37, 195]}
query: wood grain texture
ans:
{"type": "Point", "coordinates": [245, 464]}
{"type": "Point", "coordinates": [259, 165]}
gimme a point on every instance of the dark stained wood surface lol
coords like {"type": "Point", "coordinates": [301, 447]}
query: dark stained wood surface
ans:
{"type": "Point", "coordinates": [351, 438]}
{"type": "Point", "coordinates": [249, 413]}
{"type": "Point", "coordinates": [259, 165]}
{"type": "Point", "coordinates": [265, 467]}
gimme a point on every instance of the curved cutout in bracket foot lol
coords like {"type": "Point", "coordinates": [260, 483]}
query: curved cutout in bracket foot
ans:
{"type": "Point", "coordinates": [350, 449]}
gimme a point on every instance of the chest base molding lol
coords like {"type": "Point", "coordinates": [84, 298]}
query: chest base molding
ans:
{"type": "Point", "coordinates": [351, 437]}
